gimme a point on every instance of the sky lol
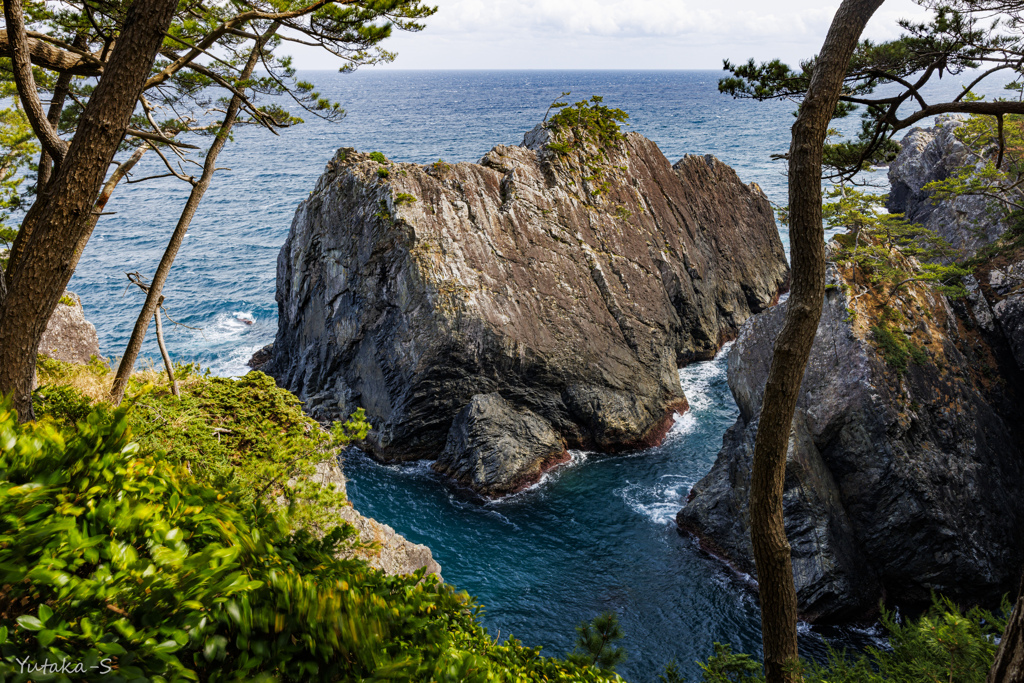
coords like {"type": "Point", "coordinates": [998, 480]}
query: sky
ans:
{"type": "Point", "coordinates": [616, 34]}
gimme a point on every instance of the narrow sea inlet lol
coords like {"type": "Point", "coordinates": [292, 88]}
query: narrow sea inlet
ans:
{"type": "Point", "coordinates": [598, 534]}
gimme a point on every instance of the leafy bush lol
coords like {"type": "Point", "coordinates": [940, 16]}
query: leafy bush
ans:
{"type": "Point", "coordinates": [595, 643]}
{"type": "Point", "coordinates": [246, 434]}
{"type": "Point", "coordinates": [944, 645]}
{"type": "Point", "coordinates": [378, 157]}
{"type": "Point", "coordinates": [113, 557]}
{"type": "Point", "coordinates": [897, 348]}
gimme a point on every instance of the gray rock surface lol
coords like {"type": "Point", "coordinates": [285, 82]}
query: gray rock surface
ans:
{"type": "Point", "coordinates": [386, 549]}
{"type": "Point", "coordinates": [929, 154]}
{"type": "Point", "coordinates": [496, 450]}
{"type": "Point", "coordinates": [408, 290]}
{"type": "Point", "coordinates": [69, 336]}
{"type": "Point", "coordinates": [896, 485]}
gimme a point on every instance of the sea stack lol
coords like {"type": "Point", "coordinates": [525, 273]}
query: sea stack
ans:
{"type": "Point", "coordinates": [544, 297]}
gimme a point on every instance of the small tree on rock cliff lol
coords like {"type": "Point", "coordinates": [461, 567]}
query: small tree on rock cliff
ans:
{"type": "Point", "coordinates": [203, 48]}
{"type": "Point", "coordinates": [842, 78]}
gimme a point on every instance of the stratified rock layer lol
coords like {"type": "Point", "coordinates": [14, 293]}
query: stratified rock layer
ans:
{"type": "Point", "coordinates": [571, 292]}
{"type": "Point", "coordinates": [896, 484]}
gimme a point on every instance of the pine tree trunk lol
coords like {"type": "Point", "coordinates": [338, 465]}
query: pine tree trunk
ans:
{"type": "Point", "coordinates": [1009, 664]}
{"type": "Point", "coordinates": [60, 218]}
{"type": "Point", "coordinates": [154, 296]}
{"type": "Point", "coordinates": [793, 346]}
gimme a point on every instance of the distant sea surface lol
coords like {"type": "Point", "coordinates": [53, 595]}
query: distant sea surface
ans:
{"type": "Point", "coordinates": [598, 534]}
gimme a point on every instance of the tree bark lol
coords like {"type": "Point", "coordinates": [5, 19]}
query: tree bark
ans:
{"type": "Point", "coordinates": [60, 220]}
{"type": "Point", "coordinates": [1009, 664]}
{"type": "Point", "coordinates": [154, 295]}
{"type": "Point", "coordinates": [168, 365]}
{"type": "Point", "coordinates": [793, 346]}
{"type": "Point", "coordinates": [55, 59]}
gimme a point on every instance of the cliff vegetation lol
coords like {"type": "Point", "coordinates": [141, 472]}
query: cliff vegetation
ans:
{"type": "Point", "coordinates": [146, 543]}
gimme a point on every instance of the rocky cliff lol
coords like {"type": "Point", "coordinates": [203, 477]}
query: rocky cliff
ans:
{"type": "Point", "coordinates": [929, 154]}
{"type": "Point", "coordinates": [905, 470]}
{"type": "Point", "coordinates": [381, 547]}
{"type": "Point", "coordinates": [568, 283]}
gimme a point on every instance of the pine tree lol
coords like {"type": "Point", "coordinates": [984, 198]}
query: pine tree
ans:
{"type": "Point", "coordinates": [595, 643]}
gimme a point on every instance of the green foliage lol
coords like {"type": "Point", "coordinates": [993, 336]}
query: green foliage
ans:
{"type": "Point", "coordinates": [879, 243]}
{"type": "Point", "coordinates": [994, 170]}
{"type": "Point", "coordinates": [896, 347]}
{"type": "Point", "coordinates": [404, 198]}
{"type": "Point", "coordinates": [958, 35]}
{"type": "Point", "coordinates": [383, 172]}
{"type": "Point", "coordinates": [671, 674]}
{"type": "Point", "coordinates": [726, 666]}
{"type": "Point", "coordinates": [595, 643]}
{"type": "Point", "coordinates": [440, 168]}
{"type": "Point", "coordinates": [944, 645]}
{"type": "Point", "coordinates": [244, 434]}
{"type": "Point", "coordinates": [18, 147]}
{"type": "Point", "coordinates": [112, 554]}
{"type": "Point", "coordinates": [588, 128]}
{"type": "Point", "coordinates": [378, 157]}
{"type": "Point", "coordinates": [588, 121]}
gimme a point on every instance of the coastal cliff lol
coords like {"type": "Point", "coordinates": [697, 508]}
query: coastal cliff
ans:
{"type": "Point", "coordinates": [566, 279]}
{"type": "Point", "coordinates": [899, 429]}
{"type": "Point", "coordinates": [906, 459]}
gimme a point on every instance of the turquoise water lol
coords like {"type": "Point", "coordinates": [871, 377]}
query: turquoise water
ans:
{"type": "Point", "coordinates": [597, 534]}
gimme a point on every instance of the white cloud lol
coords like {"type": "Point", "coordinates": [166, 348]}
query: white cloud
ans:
{"type": "Point", "coordinates": [607, 34]}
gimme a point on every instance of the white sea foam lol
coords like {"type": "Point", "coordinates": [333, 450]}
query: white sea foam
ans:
{"type": "Point", "coordinates": [575, 458]}
{"type": "Point", "coordinates": [660, 502]}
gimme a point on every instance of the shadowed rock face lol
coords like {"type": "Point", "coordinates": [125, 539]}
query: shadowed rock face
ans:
{"type": "Point", "coordinates": [929, 154]}
{"type": "Point", "coordinates": [496, 449]}
{"type": "Point", "coordinates": [572, 293]}
{"type": "Point", "coordinates": [896, 485]}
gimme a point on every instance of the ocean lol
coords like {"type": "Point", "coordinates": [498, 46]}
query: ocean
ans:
{"type": "Point", "coordinates": [598, 534]}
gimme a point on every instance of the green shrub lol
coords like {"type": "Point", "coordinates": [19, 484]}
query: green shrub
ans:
{"type": "Point", "coordinates": [404, 198]}
{"type": "Point", "coordinates": [378, 157]}
{"type": "Point", "coordinates": [589, 120]}
{"type": "Point", "coordinates": [897, 348]}
{"type": "Point", "coordinates": [246, 434]}
{"type": "Point", "coordinates": [944, 645]}
{"type": "Point", "coordinates": [115, 557]}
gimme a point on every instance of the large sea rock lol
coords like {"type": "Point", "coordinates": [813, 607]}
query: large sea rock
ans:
{"type": "Point", "coordinates": [898, 482]}
{"type": "Point", "coordinates": [567, 285]}
{"type": "Point", "coordinates": [931, 154]}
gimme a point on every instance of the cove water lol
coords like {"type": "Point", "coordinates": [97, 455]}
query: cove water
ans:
{"type": "Point", "coordinates": [598, 534]}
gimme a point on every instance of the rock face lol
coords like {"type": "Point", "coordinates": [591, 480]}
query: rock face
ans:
{"type": "Point", "coordinates": [570, 283]}
{"type": "Point", "coordinates": [929, 154]}
{"type": "Point", "coordinates": [495, 449]}
{"type": "Point", "coordinates": [69, 336]}
{"type": "Point", "coordinates": [897, 484]}
{"type": "Point", "coordinates": [388, 551]}
{"type": "Point", "coordinates": [996, 289]}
